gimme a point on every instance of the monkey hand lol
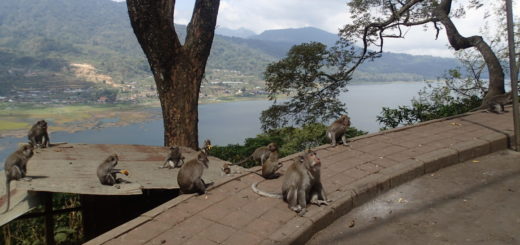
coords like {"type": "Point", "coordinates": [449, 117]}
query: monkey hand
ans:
{"type": "Point", "coordinates": [124, 171]}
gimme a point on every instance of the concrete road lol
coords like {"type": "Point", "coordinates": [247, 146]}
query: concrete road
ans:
{"type": "Point", "coordinates": [475, 202]}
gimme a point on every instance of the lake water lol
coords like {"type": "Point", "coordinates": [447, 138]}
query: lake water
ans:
{"type": "Point", "coordinates": [231, 123]}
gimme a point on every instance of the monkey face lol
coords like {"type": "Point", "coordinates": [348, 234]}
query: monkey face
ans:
{"type": "Point", "coordinates": [113, 159]}
{"type": "Point", "coordinates": [28, 150]}
{"type": "Point", "coordinates": [272, 147]}
{"type": "Point", "coordinates": [42, 124]}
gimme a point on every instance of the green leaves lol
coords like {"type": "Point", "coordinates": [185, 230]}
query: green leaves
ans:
{"type": "Point", "coordinates": [312, 76]}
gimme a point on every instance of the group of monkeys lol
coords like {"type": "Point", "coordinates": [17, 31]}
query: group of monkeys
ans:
{"type": "Point", "coordinates": [301, 185]}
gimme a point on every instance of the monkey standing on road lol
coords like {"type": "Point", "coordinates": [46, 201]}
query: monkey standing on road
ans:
{"type": "Point", "coordinates": [106, 171]}
{"type": "Point", "coordinates": [16, 168]}
{"type": "Point", "coordinates": [189, 177]}
{"type": "Point", "coordinates": [337, 130]}
{"type": "Point", "coordinates": [301, 184]}
{"type": "Point", "coordinates": [261, 154]}
{"type": "Point", "coordinates": [38, 135]}
{"type": "Point", "coordinates": [174, 158]}
{"type": "Point", "coordinates": [497, 102]}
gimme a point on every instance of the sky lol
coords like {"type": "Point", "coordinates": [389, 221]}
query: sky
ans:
{"type": "Point", "coordinates": [328, 15]}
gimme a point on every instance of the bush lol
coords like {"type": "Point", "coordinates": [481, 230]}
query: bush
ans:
{"type": "Point", "coordinates": [289, 140]}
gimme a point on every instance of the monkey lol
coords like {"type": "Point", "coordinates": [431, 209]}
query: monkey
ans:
{"type": "Point", "coordinates": [301, 184]}
{"type": "Point", "coordinates": [226, 168]}
{"type": "Point", "coordinates": [189, 177]}
{"type": "Point", "coordinates": [261, 154]}
{"type": "Point", "coordinates": [270, 166]}
{"type": "Point", "coordinates": [206, 147]}
{"type": "Point", "coordinates": [16, 168]}
{"type": "Point", "coordinates": [497, 102]}
{"type": "Point", "coordinates": [38, 135]}
{"type": "Point", "coordinates": [174, 159]}
{"type": "Point", "coordinates": [337, 130]}
{"type": "Point", "coordinates": [107, 173]}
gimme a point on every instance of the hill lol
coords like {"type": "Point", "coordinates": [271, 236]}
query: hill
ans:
{"type": "Point", "coordinates": [75, 44]}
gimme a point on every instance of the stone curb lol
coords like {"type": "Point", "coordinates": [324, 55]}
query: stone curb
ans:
{"type": "Point", "coordinates": [300, 229]}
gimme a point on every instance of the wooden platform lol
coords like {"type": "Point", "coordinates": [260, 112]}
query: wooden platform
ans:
{"type": "Point", "coordinates": [71, 168]}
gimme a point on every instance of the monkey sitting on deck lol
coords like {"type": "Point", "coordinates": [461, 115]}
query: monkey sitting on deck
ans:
{"type": "Point", "coordinates": [301, 184]}
{"type": "Point", "coordinates": [16, 168]}
{"type": "Point", "coordinates": [189, 177]}
{"type": "Point", "coordinates": [174, 158]}
{"type": "Point", "coordinates": [337, 130]}
{"type": "Point", "coordinates": [107, 173]}
{"type": "Point", "coordinates": [38, 135]}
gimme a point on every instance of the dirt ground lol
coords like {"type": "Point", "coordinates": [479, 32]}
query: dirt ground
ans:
{"type": "Point", "coordinates": [475, 202]}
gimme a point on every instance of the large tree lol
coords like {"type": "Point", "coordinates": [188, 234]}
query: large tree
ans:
{"type": "Point", "coordinates": [177, 68]}
{"type": "Point", "coordinates": [374, 21]}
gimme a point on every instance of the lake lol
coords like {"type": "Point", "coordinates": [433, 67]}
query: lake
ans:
{"type": "Point", "coordinates": [232, 122]}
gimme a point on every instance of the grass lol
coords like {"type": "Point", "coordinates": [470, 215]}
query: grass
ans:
{"type": "Point", "coordinates": [12, 125]}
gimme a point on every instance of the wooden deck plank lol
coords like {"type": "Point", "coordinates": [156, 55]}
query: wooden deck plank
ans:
{"type": "Point", "coordinates": [71, 168]}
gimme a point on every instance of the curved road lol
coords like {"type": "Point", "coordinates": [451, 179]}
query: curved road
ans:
{"type": "Point", "coordinates": [475, 202]}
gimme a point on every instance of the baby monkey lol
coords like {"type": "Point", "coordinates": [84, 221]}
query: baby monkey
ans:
{"type": "Point", "coordinates": [174, 158]}
{"type": "Point", "coordinates": [38, 135]}
{"type": "Point", "coordinates": [337, 130]}
{"type": "Point", "coordinates": [16, 168]}
{"type": "Point", "coordinates": [106, 171]}
{"type": "Point", "coordinates": [301, 184]}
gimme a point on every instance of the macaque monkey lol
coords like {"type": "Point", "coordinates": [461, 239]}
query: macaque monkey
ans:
{"type": "Point", "coordinates": [270, 166]}
{"type": "Point", "coordinates": [497, 102]}
{"type": "Point", "coordinates": [107, 173]}
{"type": "Point", "coordinates": [16, 168]}
{"type": "Point", "coordinates": [337, 130]}
{"type": "Point", "coordinates": [206, 147]}
{"type": "Point", "coordinates": [226, 168]}
{"type": "Point", "coordinates": [174, 158]}
{"type": "Point", "coordinates": [301, 184]}
{"type": "Point", "coordinates": [261, 154]}
{"type": "Point", "coordinates": [38, 135]}
{"type": "Point", "coordinates": [189, 177]}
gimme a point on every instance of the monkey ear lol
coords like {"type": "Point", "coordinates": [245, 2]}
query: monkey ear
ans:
{"type": "Point", "coordinates": [301, 158]}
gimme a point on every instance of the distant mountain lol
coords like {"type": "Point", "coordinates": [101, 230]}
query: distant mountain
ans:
{"type": "Point", "coordinates": [41, 43]}
{"type": "Point", "coordinates": [298, 35]}
{"type": "Point", "coordinates": [241, 32]}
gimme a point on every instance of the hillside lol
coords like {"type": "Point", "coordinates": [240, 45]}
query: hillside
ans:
{"type": "Point", "coordinates": [40, 41]}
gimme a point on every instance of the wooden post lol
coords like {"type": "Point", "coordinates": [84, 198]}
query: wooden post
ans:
{"type": "Point", "coordinates": [49, 220]}
{"type": "Point", "coordinates": [514, 73]}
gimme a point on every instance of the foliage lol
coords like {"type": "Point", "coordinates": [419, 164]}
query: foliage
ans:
{"type": "Point", "coordinates": [313, 76]}
{"type": "Point", "coordinates": [289, 140]}
{"type": "Point", "coordinates": [67, 227]}
{"type": "Point", "coordinates": [457, 95]}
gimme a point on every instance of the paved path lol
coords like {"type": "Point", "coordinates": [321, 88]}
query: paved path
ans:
{"type": "Point", "coordinates": [232, 214]}
{"type": "Point", "coordinates": [475, 202]}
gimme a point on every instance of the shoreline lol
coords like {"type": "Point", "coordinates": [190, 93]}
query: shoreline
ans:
{"type": "Point", "coordinates": [91, 117]}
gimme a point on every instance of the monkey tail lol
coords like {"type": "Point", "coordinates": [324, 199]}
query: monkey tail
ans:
{"type": "Point", "coordinates": [8, 191]}
{"type": "Point", "coordinates": [241, 162]}
{"type": "Point", "coordinates": [263, 193]}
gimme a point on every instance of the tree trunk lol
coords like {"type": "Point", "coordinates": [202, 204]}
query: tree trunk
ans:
{"type": "Point", "coordinates": [457, 41]}
{"type": "Point", "coordinates": [177, 69]}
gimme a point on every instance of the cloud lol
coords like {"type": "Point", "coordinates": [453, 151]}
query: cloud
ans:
{"type": "Point", "coordinates": [328, 15]}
